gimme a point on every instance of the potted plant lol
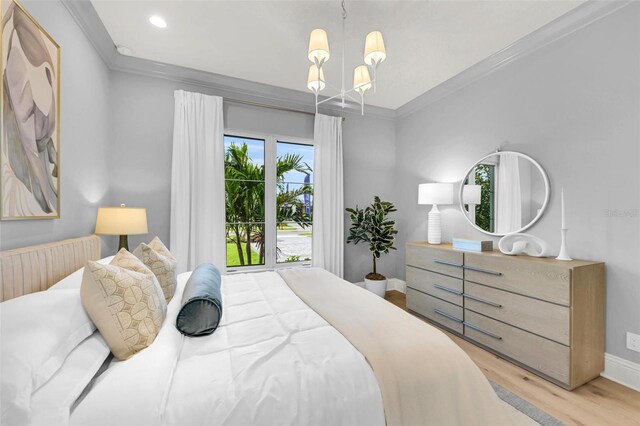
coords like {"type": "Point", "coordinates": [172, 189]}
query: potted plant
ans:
{"type": "Point", "coordinates": [371, 225]}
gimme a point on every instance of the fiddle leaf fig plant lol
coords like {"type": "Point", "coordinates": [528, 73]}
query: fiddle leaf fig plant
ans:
{"type": "Point", "coordinates": [371, 225]}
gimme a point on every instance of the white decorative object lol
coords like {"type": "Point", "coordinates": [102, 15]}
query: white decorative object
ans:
{"type": "Point", "coordinates": [374, 54]}
{"type": "Point", "coordinates": [514, 244]}
{"type": "Point", "coordinates": [564, 255]}
{"type": "Point", "coordinates": [435, 193]}
{"type": "Point", "coordinates": [377, 287]}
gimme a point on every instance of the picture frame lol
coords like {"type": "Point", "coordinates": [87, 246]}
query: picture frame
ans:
{"type": "Point", "coordinates": [29, 118]}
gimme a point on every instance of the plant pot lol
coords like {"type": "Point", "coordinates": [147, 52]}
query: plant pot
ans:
{"type": "Point", "coordinates": [377, 287]}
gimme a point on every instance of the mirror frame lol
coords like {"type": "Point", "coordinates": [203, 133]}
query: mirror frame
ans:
{"type": "Point", "coordinates": [547, 188]}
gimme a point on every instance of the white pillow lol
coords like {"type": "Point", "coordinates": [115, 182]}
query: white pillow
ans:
{"type": "Point", "coordinates": [52, 403]}
{"type": "Point", "coordinates": [38, 331]}
{"type": "Point", "coordinates": [75, 279]}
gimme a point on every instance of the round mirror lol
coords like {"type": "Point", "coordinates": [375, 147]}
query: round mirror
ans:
{"type": "Point", "coordinates": [504, 192]}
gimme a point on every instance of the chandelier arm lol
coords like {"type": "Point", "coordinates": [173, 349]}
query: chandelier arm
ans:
{"type": "Point", "coordinates": [331, 86]}
{"type": "Point", "coordinates": [329, 99]}
{"type": "Point", "coordinates": [347, 93]}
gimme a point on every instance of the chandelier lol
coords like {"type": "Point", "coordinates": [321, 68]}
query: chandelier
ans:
{"type": "Point", "coordinates": [318, 54]}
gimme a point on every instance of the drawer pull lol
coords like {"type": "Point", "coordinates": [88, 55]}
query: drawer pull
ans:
{"type": "Point", "coordinates": [447, 289]}
{"type": "Point", "coordinates": [484, 271]}
{"type": "Point", "coordinates": [476, 328]}
{"type": "Point", "coordinates": [446, 315]}
{"type": "Point", "coordinates": [481, 300]}
{"type": "Point", "coordinates": [445, 262]}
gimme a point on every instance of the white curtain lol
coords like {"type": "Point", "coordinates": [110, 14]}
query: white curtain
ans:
{"type": "Point", "coordinates": [509, 214]}
{"type": "Point", "coordinates": [197, 181]}
{"type": "Point", "coordinates": [328, 198]}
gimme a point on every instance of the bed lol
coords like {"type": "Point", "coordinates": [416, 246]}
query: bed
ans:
{"type": "Point", "coordinates": [297, 346]}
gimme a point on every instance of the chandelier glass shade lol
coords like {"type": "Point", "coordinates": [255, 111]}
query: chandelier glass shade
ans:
{"type": "Point", "coordinates": [319, 53]}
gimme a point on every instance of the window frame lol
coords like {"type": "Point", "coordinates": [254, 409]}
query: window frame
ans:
{"type": "Point", "coordinates": [270, 194]}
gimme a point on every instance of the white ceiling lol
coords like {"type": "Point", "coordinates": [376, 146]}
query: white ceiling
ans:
{"type": "Point", "coordinates": [427, 42]}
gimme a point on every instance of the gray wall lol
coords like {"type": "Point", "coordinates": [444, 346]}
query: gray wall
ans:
{"type": "Point", "coordinates": [84, 130]}
{"type": "Point", "coordinates": [141, 111]}
{"type": "Point", "coordinates": [573, 105]}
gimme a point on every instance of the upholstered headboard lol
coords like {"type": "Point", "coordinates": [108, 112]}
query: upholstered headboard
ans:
{"type": "Point", "coordinates": [36, 268]}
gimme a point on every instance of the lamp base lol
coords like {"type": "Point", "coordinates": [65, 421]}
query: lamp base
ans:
{"type": "Point", "coordinates": [124, 243]}
{"type": "Point", "coordinates": [434, 235]}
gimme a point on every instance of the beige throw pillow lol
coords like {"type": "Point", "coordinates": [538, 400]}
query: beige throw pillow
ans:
{"type": "Point", "coordinates": [159, 259]}
{"type": "Point", "coordinates": [125, 302]}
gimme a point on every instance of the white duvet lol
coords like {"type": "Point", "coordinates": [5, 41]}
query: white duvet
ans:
{"type": "Point", "coordinates": [273, 360]}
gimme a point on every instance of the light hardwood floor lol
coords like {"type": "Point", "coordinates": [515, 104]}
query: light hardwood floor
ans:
{"type": "Point", "coordinates": [599, 402]}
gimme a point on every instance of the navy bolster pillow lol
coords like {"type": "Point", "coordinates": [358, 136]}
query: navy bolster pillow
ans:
{"type": "Point", "coordinates": [201, 302]}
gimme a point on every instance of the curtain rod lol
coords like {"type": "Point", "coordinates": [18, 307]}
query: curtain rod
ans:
{"type": "Point", "coordinates": [256, 104]}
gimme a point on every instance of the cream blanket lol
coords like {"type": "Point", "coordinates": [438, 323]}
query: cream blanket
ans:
{"type": "Point", "coordinates": [424, 377]}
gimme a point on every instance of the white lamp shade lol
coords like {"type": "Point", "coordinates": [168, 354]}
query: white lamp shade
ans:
{"type": "Point", "coordinates": [318, 46]}
{"type": "Point", "coordinates": [374, 51]}
{"type": "Point", "coordinates": [471, 194]}
{"type": "Point", "coordinates": [361, 79]}
{"type": "Point", "coordinates": [435, 193]}
{"type": "Point", "coordinates": [121, 221]}
{"type": "Point", "coordinates": [315, 81]}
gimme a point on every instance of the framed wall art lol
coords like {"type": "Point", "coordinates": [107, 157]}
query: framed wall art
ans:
{"type": "Point", "coordinates": [30, 137]}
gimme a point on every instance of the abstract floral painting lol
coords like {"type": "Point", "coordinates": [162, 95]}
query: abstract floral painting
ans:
{"type": "Point", "coordinates": [30, 137]}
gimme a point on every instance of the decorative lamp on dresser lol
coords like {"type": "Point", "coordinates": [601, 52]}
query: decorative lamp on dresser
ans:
{"type": "Point", "coordinates": [543, 314]}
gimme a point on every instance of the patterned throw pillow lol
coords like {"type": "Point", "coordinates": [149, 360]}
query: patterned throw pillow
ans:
{"type": "Point", "coordinates": [159, 259]}
{"type": "Point", "coordinates": [125, 302]}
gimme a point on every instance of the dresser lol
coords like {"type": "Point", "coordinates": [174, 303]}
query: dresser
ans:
{"type": "Point", "coordinates": [540, 313]}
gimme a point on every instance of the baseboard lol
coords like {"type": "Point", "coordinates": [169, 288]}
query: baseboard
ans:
{"type": "Point", "coordinates": [622, 371]}
{"type": "Point", "coordinates": [397, 285]}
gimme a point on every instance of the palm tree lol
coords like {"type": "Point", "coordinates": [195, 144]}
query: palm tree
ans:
{"type": "Point", "coordinates": [245, 192]}
{"type": "Point", "coordinates": [244, 198]}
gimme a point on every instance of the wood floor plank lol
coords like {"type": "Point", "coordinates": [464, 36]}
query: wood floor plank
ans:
{"type": "Point", "coordinates": [599, 402]}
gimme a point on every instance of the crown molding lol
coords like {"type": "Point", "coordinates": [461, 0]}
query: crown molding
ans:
{"type": "Point", "coordinates": [574, 20]}
{"type": "Point", "coordinates": [244, 90]}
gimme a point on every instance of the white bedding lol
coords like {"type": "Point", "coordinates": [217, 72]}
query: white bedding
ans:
{"type": "Point", "coordinates": [273, 360]}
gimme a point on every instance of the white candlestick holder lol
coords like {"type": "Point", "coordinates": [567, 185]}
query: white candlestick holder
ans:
{"type": "Point", "coordinates": [563, 246]}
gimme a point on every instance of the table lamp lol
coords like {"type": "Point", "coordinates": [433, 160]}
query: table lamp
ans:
{"type": "Point", "coordinates": [435, 193]}
{"type": "Point", "coordinates": [472, 196]}
{"type": "Point", "coordinates": [121, 221]}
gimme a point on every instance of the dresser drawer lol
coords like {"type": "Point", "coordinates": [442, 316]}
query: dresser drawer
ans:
{"type": "Point", "coordinates": [544, 355]}
{"type": "Point", "coordinates": [543, 318]}
{"type": "Point", "coordinates": [438, 285]}
{"type": "Point", "coordinates": [435, 309]}
{"type": "Point", "coordinates": [543, 279]}
{"type": "Point", "coordinates": [444, 261]}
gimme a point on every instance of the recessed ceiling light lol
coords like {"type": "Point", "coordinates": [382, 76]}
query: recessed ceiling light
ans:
{"type": "Point", "coordinates": [158, 21]}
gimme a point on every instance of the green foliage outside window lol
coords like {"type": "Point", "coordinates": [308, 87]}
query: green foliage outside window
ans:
{"type": "Point", "coordinates": [245, 202]}
{"type": "Point", "coordinates": [485, 177]}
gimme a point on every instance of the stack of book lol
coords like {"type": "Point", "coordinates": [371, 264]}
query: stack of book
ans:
{"type": "Point", "coordinates": [472, 245]}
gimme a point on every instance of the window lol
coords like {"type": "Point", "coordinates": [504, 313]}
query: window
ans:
{"type": "Point", "coordinates": [269, 201]}
{"type": "Point", "coordinates": [485, 215]}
